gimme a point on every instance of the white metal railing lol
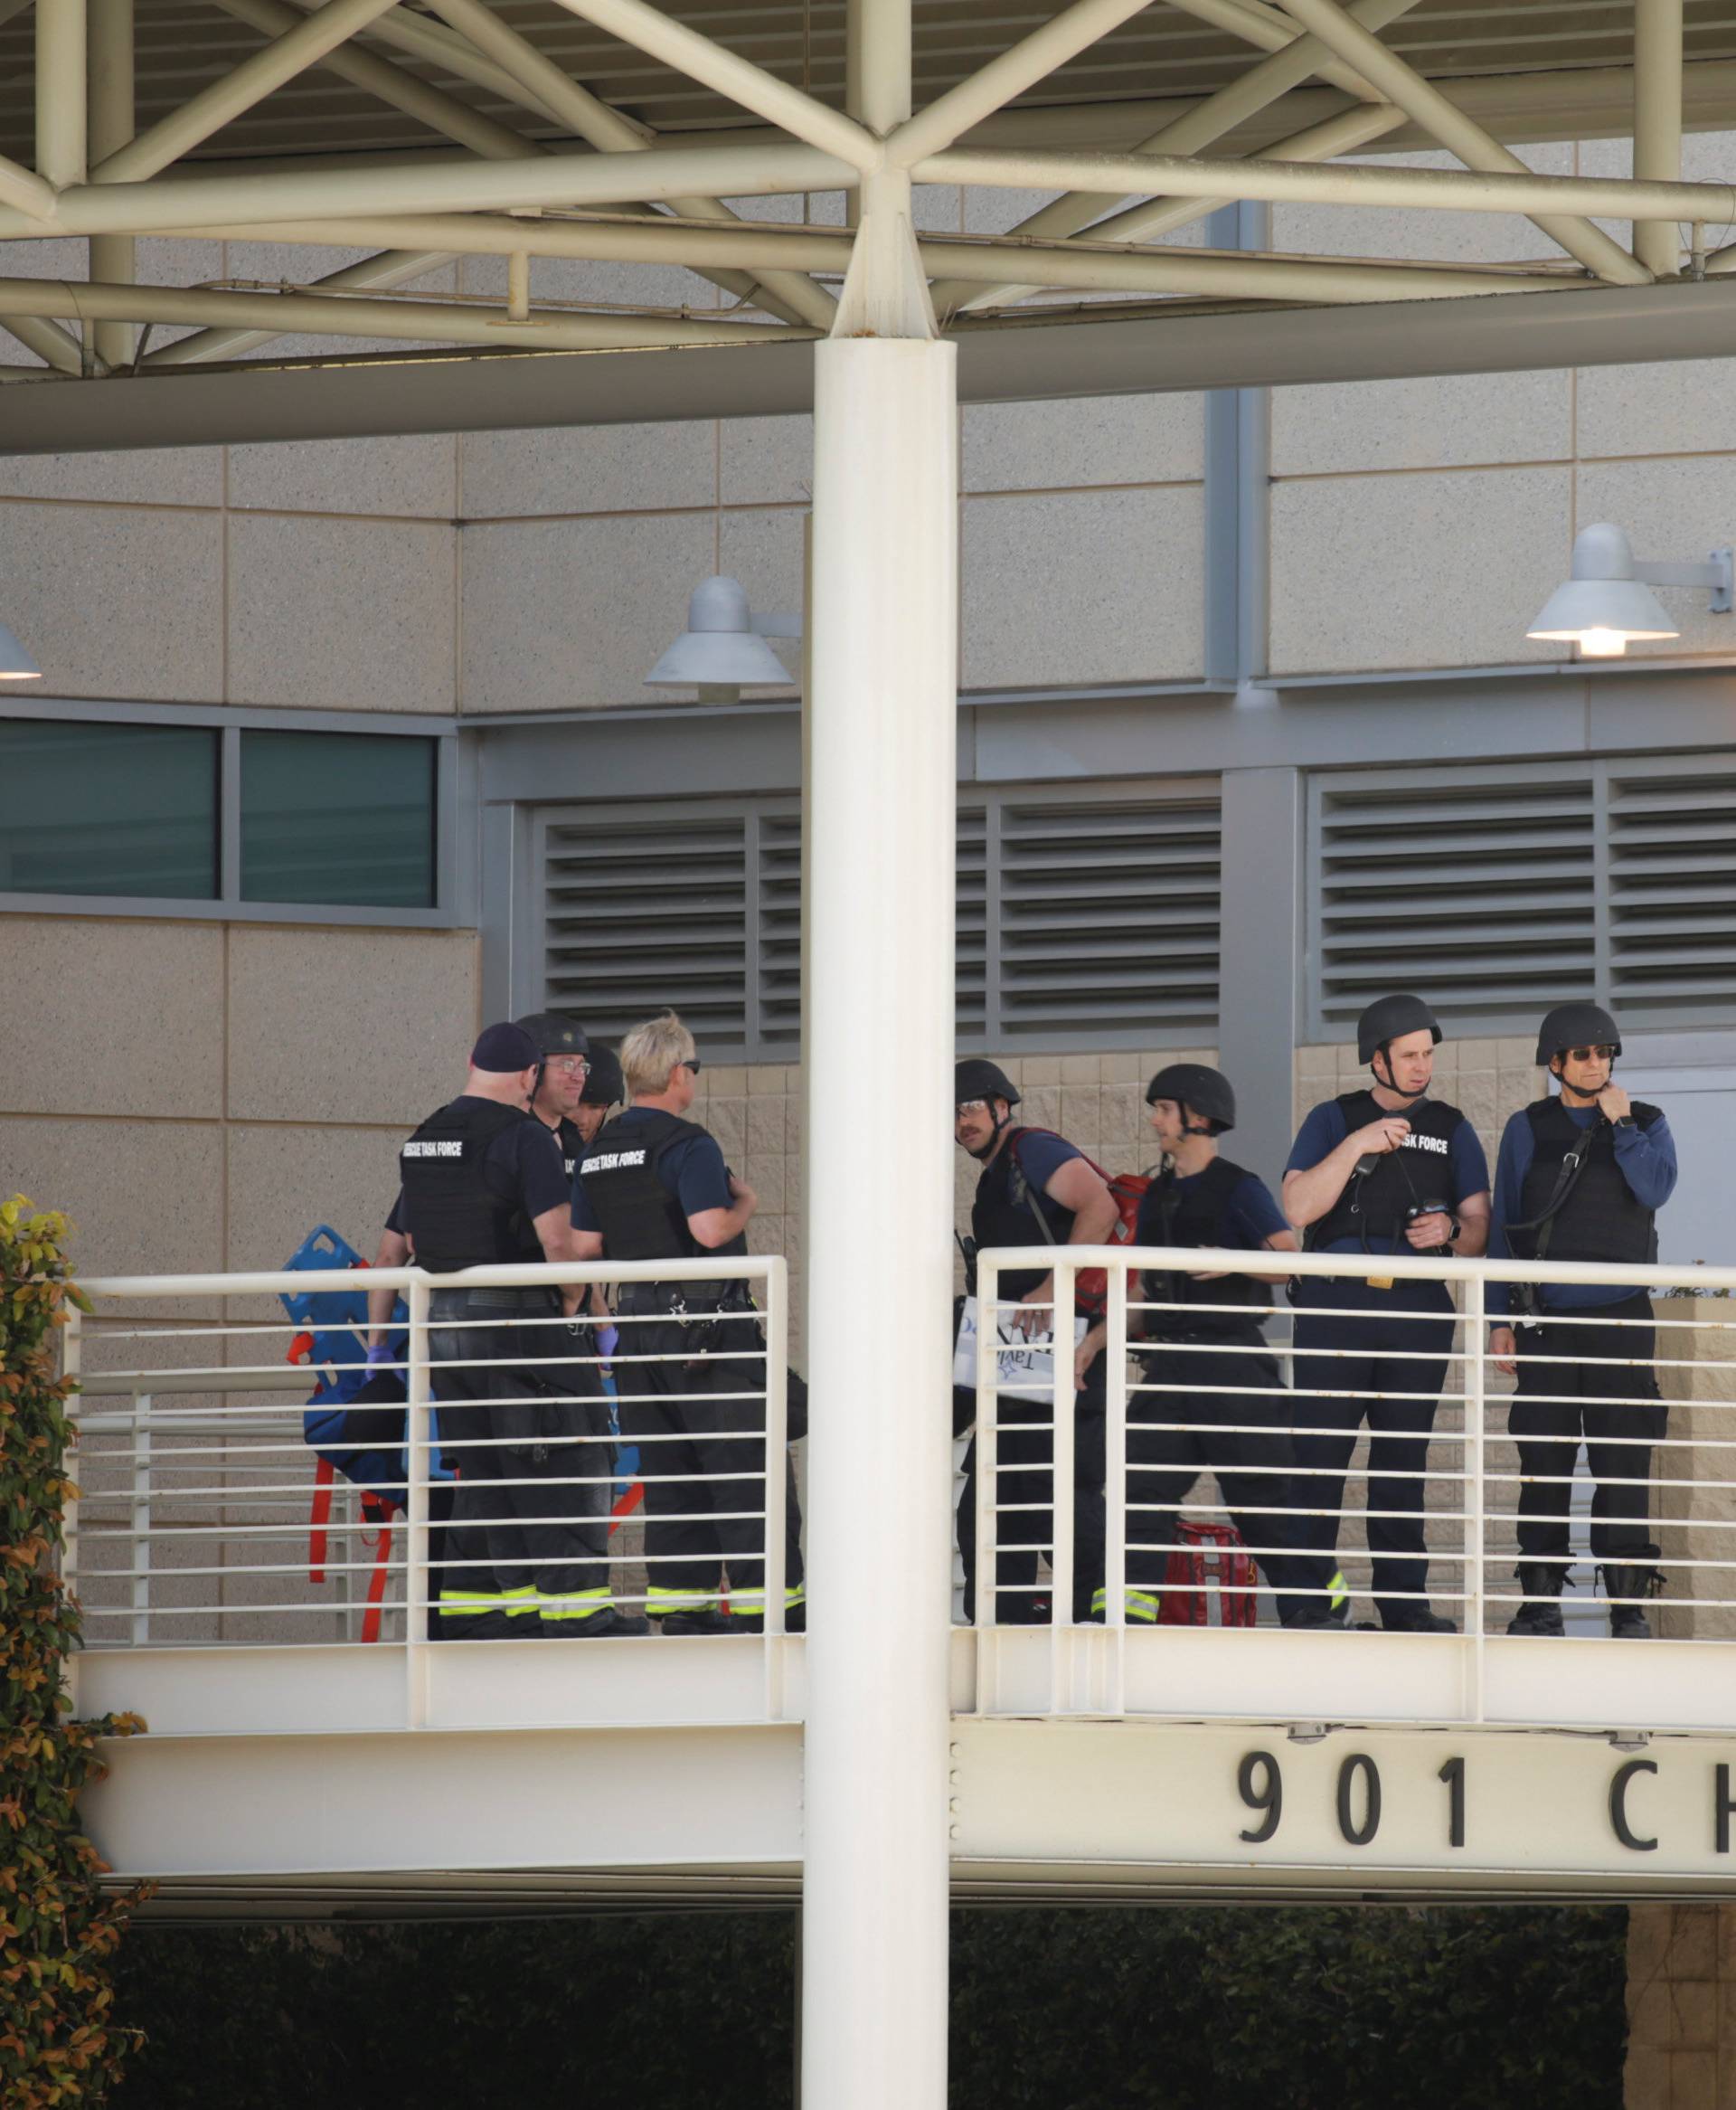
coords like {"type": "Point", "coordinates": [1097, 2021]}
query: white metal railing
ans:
{"type": "Point", "coordinates": [1463, 1488]}
{"type": "Point", "coordinates": [194, 1516]}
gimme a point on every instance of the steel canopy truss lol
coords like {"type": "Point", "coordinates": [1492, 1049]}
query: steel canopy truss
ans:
{"type": "Point", "coordinates": [524, 159]}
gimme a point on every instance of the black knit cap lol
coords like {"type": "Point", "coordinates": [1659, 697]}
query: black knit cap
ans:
{"type": "Point", "coordinates": [504, 1049]}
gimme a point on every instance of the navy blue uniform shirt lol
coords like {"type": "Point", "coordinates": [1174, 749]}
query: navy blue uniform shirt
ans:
{"type": "Point", "coordinates": [1326, 1128]}
{"type": "Point", "coordinates": [1646, 1158]}
{"type": "Point", "coordinates": [522, 1165]}
{"type": "Point", "coordinates": [1250, 1216]}
{"type": "Point", "coordinates": [691, 1170]}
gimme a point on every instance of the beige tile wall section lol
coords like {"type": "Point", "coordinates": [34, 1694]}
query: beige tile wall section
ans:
{"type": "Point", "coordinates": [199, 1096]}
{"type": "Point", "coordinates": [1681, 2008]}
{"type": "Point", "coordinates": [1420, 524]}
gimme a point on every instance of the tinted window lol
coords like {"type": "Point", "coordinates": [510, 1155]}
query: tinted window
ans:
{"type": "Point", "coordinates": [118, 809]}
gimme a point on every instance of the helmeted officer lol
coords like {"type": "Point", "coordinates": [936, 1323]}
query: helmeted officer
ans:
{"type": "Point", "coordinates": [1383, 1170]}
{"type": "Point", "coordinates": [1034, 1189]}
{"type": "Point", "coordinates": [604, 1089]}
{"type": "Point", "coordinates": [483, 1185]}
{"type": "Point", "coordinates": [566, 1064]}
{"type": "Point", "coordinates": [1213, 1399]}
{"type": "Point", "coordinates": [654, 1186]}
{"type": "Point", "coordinates": [1581, 1176]}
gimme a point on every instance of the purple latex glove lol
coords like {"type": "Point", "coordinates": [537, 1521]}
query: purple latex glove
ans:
{"type": "Point", "coordinates": [380, 1352]}
{"type": "Point", "coordinates": [609, 1338]}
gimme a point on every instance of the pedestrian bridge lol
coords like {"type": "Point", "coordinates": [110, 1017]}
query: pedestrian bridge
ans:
{"type": "Point", "coordinates": [292, 1767]}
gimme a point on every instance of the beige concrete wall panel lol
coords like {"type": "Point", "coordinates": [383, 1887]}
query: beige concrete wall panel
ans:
{"type": "Point", "coordinates": [121, 1017]}
{"type": "Point", "coordinates": [558, 614]}
{"type": "Point", "coordinates": [415, 475]}
{"type": "Point", "coordinates": [144, 1197]}
{"type": "Point", "coordinates": [1416, 571]}
{"type": "Point", "coordinates": [1450, 237]}
{"type": "Point", "coordinates": [348, 1025]}
{"type": "Point", "coordinates": [1459, 420]}
{"type": "Point", "coordinates": [1681, 407]}
{"type": "Point", "coordinates": [1681, 509]}
{"type": "Point", "coordinates": [1098, 440]}
{"type": "Point", "coordinates": [765, 461]}
{"type": "Point", "coordinates": [594, 468]}
{"type": "Point", "coordinates": [1089, 587]}
{"type": "Point", "coordinates": [341, 614]}
{"type": "Point", "coordinates": [115, 602]}
{"type": "Point", "coordinates": [763, 549]}
{"type": "Point", "coordinates": [169, 475]}
{"type": "Point", "coordinates": [283, 1181]}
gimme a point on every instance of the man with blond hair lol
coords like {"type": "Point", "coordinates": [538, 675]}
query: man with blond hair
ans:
{"type": "Point", "coordinates": [654, 1186]}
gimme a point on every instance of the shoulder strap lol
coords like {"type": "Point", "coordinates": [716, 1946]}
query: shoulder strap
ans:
{"type": "Point", "coordinates": [1566, 1179]}
{"type": "Point", "coordinates": [1022, 1196]}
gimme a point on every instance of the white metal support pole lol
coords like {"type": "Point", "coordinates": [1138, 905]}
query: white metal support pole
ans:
{"type": "Point", "coordinates": [1115, 1481]}
{"type": "Point", "coordinates": [1476, 1371]}
{"type": "Point", "coordinates": [419, 1431]}
{"type": "Point", "coordinates": [1063, 1551]}
{"type": "Point", "coordinates": [1658, 123]}
{"type": "Point", "coordinates": [986, 1609]}
{"type": "Point", "coordinates": [109, 60]}
{"type": "Point", "coordinates": [883, 621]}
{"type": "Point", "coordinates": [774, 1576]}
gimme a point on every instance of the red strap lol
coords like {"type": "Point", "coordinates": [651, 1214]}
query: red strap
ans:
{"type": "Point", "coordinates": [318, 1519]}
{"type": "Point", "coordinates": [377, 1581]}
{"type": "Point", "coordinates": [624, 1507]}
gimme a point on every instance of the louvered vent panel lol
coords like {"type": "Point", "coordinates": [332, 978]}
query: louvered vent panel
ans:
{"type": "Point", "coordinates": [646, 912]}
{"type": "Point", "coordinates": [1108, 917]}
{"type": "Point", "coordinates": [780, 933]}
{"type": "Point", "coordinates": [1481, 895]}
{"type": "Point", "coordinates": [1673, 892]}
{"type": "Point", "coordinates": [972, 925]}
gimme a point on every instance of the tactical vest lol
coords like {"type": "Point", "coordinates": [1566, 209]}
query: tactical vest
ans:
{"type": "Point", "coordinates": [572, 1144]}
{"type": "Point", "coordinates": [1377, 1204]}
{"type": "Point", "coordinates": [1003, 1213]}
{"type": "Point", "coordinates": [641, 1219]}
{"type": "Point", "coordinates": [451, 1215]}
{"type": "Point", "coordinates": [1194, 1215]}
{"type": "Point", "coordinates": [1601, 1220]}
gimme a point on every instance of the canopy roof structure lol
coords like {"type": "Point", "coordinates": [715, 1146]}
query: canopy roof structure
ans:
{"type": "Point", "coordinates": [614, 131]}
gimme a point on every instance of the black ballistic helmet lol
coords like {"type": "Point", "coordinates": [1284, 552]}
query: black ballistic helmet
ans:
{"type": "Point", "coordinates": [1391, 1018]}
{"type": "Point", "coordinates": [605, 1086]}
{"type": "Point", "coordinates": [1576, 1025]}
{"type": "Point", "coordinates": [554, 1033]}
{"type": "Point", "coordinates": [980, 1079]}
{"type": "Point", "coordinates": [1203, 1092]}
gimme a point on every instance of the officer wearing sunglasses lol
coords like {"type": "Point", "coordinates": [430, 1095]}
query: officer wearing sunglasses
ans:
{"type": "Point", "coordinates": [1581, 1176]}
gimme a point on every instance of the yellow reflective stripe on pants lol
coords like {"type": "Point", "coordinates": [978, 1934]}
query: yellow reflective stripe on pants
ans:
{"type": "Point", "coordinates": [476, 1604]}
{"type": "Point", "coordinates": [1142, 1605]}
{"type": "Point", "coordinates": [1338, 1590]}
{"type": "Point", "coordinates": [576, 1604]}
{"type": "Point", "coordinates": [750, 1604]}
{"type": "Point", "coordinates": [659, 1601]}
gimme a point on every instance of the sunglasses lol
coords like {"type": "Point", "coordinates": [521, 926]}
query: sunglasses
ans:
{"type": "Point", "coordinates": [967, 1106]}
{"type": "Point", "coordinates": [689, 1062]}
{"type": "Point", "coordinates": [1589, 1054]}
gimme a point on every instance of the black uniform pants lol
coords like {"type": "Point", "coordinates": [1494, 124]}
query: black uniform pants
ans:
{"type": "Point", "coordinates": [1604, 1391]}
{"type": "Point", "coordinates": [701, 1458]}
{"type": "Point", "coordinates": [1243, 1436]}
{"type": "Point", "coordinates": [522, 1551]}
{"type": "Point", "coordinates": [1396, 1367]}
{"type": "Point", "coordinates": [1024, 1494]}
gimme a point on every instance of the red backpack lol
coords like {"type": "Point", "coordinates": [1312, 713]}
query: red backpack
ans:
{"type": "Point", "coordinates": [1129, 1189]}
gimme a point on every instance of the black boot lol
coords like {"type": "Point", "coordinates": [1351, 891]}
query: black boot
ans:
{"type": "Point", "coordinates": [1626, 1588]}
{"type": "Point", "coordinates": [1541, 1613]}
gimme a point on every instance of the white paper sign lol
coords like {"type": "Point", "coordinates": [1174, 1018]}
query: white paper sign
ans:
{"type": "Point", "coordinates": [1027, 1361]}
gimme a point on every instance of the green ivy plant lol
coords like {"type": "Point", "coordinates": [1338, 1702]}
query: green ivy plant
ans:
{"type": "Point", "coordinates": [58, 1931]}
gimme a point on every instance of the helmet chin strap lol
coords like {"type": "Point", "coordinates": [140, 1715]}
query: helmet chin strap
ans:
{"type": "Point", "coordinates": [1386, 1084]}
{"type": "Point", "coordinates": [989, 1148]}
